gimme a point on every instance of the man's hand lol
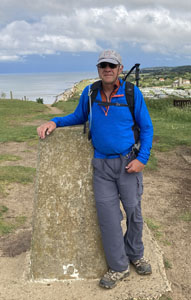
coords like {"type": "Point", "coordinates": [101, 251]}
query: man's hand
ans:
{"type": "Point", "coordinates": [134, 166]}
{"type": "Point", "coordinates": [46, 129]}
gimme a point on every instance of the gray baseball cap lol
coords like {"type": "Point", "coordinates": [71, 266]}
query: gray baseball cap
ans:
{"type": "Point", "coordinates": [110, 56]}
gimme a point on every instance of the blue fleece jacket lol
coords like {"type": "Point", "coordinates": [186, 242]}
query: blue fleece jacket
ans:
{"type": "Point", "coordinates": [112, 134]}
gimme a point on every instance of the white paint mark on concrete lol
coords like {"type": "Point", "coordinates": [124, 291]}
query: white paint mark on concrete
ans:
{"type": "Point", "coordinates": [71, 271]}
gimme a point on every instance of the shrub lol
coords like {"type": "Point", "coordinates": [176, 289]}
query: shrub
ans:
{"type": "Point", "coordinates": [39, 100]}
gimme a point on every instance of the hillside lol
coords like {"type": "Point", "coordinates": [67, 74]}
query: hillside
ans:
{"type": "Point", "coordinates": [180, 70]}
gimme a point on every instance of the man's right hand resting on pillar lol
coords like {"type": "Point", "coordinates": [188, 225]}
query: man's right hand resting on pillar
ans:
{"type": "Point", "coordinates": [45, 129]}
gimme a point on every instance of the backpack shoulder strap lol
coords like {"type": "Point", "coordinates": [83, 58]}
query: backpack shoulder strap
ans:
{"type": "Point", "coordinates": [92, 96]}
{"type": "Point", "coordinates": [93, 92]}
{"type": "Point", "coordinates": [129, 94]}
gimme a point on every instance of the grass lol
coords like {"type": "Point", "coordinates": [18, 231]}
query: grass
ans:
{"type": "Point", "coordinates": [3, 209]}
{"type": "Point", "coordinates": [152, 163]}
{"type": "Point", "coordinates": [44, 117]}
{"type": "Point", "coordinates": [9, 157]}
{"type": "Point", "coordinates": [186, 216]}
{"type": "Point", "coordinates": [18, 174]}
{"type": "Point", "coordinates": [20, 220]}
{"type": "Point", "coordinates": [164, 297]}
{"type": "Point", "coordinates": [154, 227]}
{"type": "Point", "coordinates": [3, 189]}
{"type": "Point", "coordinates": [167, 263]}
{"type": "Point", "coordinates": [6, 226]}
{"type": "Point", "coordinates": [14, 114]}
{"type": "Point", "coordinates": [171, 129]}
{"type": "Point", "coordinates": [171, 124]}
{"type": "Point", "coordinates": [69, 106]}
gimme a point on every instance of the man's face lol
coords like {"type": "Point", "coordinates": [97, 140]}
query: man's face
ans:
{"type": "Point", "coordinates": [109, 73]}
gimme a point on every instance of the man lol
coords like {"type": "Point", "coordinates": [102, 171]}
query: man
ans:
{"type": "Point", "coordinates": [117, 174]}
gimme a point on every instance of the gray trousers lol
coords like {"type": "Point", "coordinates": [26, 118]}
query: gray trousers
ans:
{"type": "Point", "coordinates": [113, 184]}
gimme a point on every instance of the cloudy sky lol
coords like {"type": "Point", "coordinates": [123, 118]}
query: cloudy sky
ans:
{"type": "Point", "coordinates": [68, 35]}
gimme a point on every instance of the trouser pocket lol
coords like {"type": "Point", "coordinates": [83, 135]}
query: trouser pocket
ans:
{"type": "Point", "coordinates": [139, 177]}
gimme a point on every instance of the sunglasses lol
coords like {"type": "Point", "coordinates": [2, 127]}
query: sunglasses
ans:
{"type": "Point", "coordinates": [103, 65]}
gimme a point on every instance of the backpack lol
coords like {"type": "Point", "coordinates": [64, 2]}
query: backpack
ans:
{"type": "Point", "coordinates": [129, 94]}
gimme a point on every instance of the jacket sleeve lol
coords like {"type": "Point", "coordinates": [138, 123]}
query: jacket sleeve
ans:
{"type": "Point", "coordinates": [79, 116]}
{"type": "Point", "coordinates": [143, 119]}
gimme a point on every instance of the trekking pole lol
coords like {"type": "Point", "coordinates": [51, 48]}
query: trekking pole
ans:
{"type": "Point", "coordinates": [137, 71]}
{"type": "Point", "coordinates": [137, 78]}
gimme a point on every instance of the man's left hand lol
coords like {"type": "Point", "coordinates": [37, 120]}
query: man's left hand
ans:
{"type": "Point", "coordinates": [134, 166]}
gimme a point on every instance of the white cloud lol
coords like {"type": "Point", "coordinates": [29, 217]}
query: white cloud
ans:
{"type": "Point", "coordinates": [4, 58]}
{"type": "Point", "coordinates": [62, 26]}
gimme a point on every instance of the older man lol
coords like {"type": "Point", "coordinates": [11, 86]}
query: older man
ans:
{"type": "Point", "coordinates": [117, 174]}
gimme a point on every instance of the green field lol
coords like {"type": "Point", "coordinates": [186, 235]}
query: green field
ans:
{"type": "Point", "coordinates": [15, 116]}
{"type": "Point", "coordinates": [171, 124]}
{"type": "Point", "coordinates": [171, 130]}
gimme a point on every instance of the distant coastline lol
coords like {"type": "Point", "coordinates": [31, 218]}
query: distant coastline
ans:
{"type": "Point", "coordinates": [67, 94]}
{"type": "Point", "coordinates": [42, 85]}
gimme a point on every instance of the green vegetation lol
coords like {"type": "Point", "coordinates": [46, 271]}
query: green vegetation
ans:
{"type": "Point", "coordinates": [9, 157]}
{"type": "Point", "coordinates": [152, 163]}
{"type": "Point", "coordinates": [154, 227]}
{"type": "Point", "coordinates": [7, 226]}
{"type": "Point", "coordinates": [44, 117]}
{"type": "Point", "coordinates": [171, 129]}
{"type": "Point", "coordinates": [20, 220]}
{"type": "Point", "coordinates": [186, 216]}
{"type": "Point", "coordinates": [79, 88]}
{"type": "Point", "coordinates": [4, 226]}
{"type": "Point", "coordinates": [162, 76]}
{"type": "Point", "coordinates": [167, 263]}
{"type": "Point", "coordinates": [67, 107]}
{"type": "Point", "coordinates": [14, 115]}
{"type": "Point", "coordinates": [164, 297]}
{"type": "Point", "coordinates": [171, 124]}
{"type": "Point", "coordinates": [3, 191]}
{"type": "Point", "coordinates": [39, 100]}
{"type": "Point", "coordinates": [17, 174]}
{"type": "Point", "coordinates": [3, 209]}
{"type": "Point", "coordinates": [171, 71]}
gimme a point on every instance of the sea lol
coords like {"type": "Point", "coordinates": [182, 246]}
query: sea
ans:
{"type": "Point", "coordinates": [47, 86]}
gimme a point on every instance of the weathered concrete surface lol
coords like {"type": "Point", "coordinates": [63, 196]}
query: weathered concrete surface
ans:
{"type": "Point", "coordinates": [66, 232]}
{"type": "Point", "coordinates": [66, 238]}
{"type": "Point", "coordinates": [187, 158]}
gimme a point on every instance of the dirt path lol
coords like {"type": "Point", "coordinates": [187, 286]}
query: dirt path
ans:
{"type": "Point", "coordinates": [54, 110]}
{"type": "Point", "coordinates": [166, 202]}
{"type": "Point", "coordinates": [167, 199]}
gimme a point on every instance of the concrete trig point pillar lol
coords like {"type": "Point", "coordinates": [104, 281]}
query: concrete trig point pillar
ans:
{"type": "Point", "coordinates": [66, 238]}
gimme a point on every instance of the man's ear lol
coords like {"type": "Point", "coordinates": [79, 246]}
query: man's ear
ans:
{"type": "Point", "coordinates": [120, 69]}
